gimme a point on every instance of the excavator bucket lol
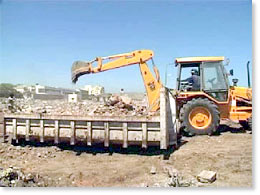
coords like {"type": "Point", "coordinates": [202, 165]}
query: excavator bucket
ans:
{"type": "Point", "coordinates": [79, 68]}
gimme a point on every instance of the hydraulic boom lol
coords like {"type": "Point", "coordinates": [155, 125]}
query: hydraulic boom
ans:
{"type": "Point", "coordinates": [152, 84]}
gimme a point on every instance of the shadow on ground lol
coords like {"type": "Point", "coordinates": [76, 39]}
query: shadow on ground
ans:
{"type": "Point", "coordinates": [226, 128]}
{"type": "Point", "coordinates": [81, 148]}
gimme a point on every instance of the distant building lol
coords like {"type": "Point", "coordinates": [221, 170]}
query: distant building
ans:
{"type": "Point", "coordinates": [93, 90]}
{"type": "Point", "coordinates": [97, 90]}
{"type": "Point", "coordinates": [21, 88]}
{"type": "Point", "coordinates": [48, 93]}
{"type": "Point", "coordinates": [25, 90]}
{"type": "Point", "coordinates": [86, 89]}
{"type": "Point", "coordinates": [40, 89]}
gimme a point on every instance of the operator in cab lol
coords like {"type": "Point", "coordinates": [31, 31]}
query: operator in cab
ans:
{"type": "Point", "coordinates": [194, 80]}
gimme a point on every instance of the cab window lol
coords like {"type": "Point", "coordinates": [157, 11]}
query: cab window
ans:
{"type": "Point", "coordinates": [214, 81]}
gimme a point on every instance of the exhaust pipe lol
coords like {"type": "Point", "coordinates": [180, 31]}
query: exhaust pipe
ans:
{"type": "Point", "coordinates": [248, 75]}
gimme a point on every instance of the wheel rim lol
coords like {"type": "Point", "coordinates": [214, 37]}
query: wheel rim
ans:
{"type": "Point", "coordinates": [200, 118]}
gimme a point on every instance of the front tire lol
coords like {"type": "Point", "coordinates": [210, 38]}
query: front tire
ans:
{"type": "Point", "coordinates": [199, 117]}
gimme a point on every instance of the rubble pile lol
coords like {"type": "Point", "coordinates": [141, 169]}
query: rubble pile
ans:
{"type": "Point", "coordinates": [176, 179]}
{"type": "Point", "coordinates": [115, 106]}
{"type": "Point", "coordinates": [121, 105]}
{"type": "Point", "coordinates": [15, 177]}
{"type": "Point", "coordinates": [53, 107]}
{"type": "Point", "coordinates": [173, 178]}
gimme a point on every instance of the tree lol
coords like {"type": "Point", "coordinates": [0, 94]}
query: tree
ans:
{"type": "Point", "coordinates": [6, 89]}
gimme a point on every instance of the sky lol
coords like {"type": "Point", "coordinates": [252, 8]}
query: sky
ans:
{"type": "Point", "coordinates": [39, 40]}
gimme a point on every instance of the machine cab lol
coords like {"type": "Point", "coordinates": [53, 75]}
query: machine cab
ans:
{"type": "Point", "coordinates": [203, 74]}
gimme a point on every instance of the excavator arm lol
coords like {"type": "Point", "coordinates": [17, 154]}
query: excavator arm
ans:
{"type": "Point", "coordinates": [152, 84]}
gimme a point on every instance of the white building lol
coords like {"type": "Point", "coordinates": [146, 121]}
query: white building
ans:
{"type": "Point", "coordinates": [87, 88]}
{"type": "Point", "coordinates": [21, 88]}
{"type": "Point", "coordinates": [93, 90]}
{"type": "Point", "coordinates": [40, 89]}
{"type": "Point", "coordinates": [26, 90]}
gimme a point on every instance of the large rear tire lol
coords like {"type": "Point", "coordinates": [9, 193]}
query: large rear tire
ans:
{"type": "Point", "coordinates": [199, 117]}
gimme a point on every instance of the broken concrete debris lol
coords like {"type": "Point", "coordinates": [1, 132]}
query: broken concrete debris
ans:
{"type": "Point", "coordinates": [116, 105]}
{"type": "Point", "coordinates": [153, 170]}
{"type": "Point", "coordinates": [207, 176]}
{"type": "Point", "coordinates": [120, 105]}
{"type": "Point", "coordinates": [15, 177]}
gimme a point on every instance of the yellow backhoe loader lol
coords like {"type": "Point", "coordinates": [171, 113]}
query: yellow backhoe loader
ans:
{"type": "Point", "coordinates": [199, 110]}
{"type": "Point", "coordinates": [193, 107]}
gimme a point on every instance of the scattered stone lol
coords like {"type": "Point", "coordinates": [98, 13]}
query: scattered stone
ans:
{"type": "Point", "coordinates": [126, 100]}
{"type": "Point", "coordinates": [177, 180]}
{"type": "Point", "coordinates": [143, 185]}
{"type": "Point", "coordinates": [207, 176]}
{"type": "Point", "coordinates": [113, 100]}
{"type": "Point", "coordinates": [15, 177]}
{"type": "Point", "coordinates": [172, 172]}
{"type": "Point", "coordinates": [29, 177]}
{"type": "Point", "coordinates": [18, 147]}
{"type": "Point", "coordinates": [153, 170]}
{"type": "Point", "coordinates": [10, 148]}
{"type": "Point", "coordinates": [39, 184]}
{"type": "Point", "coordinates": [185, 183]}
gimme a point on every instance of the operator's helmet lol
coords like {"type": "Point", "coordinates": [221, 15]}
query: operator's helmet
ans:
{"type": "Point", "coordinates": [194, 71]}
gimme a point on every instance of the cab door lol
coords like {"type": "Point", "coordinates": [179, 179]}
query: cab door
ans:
{"type": "Point", "coordinates": [214, 80]}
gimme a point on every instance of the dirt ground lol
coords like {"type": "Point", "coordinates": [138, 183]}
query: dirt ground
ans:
{"type": "Point", "coordinates": [229, 154]}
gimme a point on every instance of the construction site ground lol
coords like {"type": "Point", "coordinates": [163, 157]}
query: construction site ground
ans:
{"type": "Point", "coordinates": [229, 154]}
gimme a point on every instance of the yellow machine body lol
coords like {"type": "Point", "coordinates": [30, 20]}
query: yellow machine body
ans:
{"type": "Point", "coordinates": [237, 105]}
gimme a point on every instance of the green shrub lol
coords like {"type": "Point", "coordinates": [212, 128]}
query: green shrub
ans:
{"type": "Point", "coordinates": [6, 89]}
